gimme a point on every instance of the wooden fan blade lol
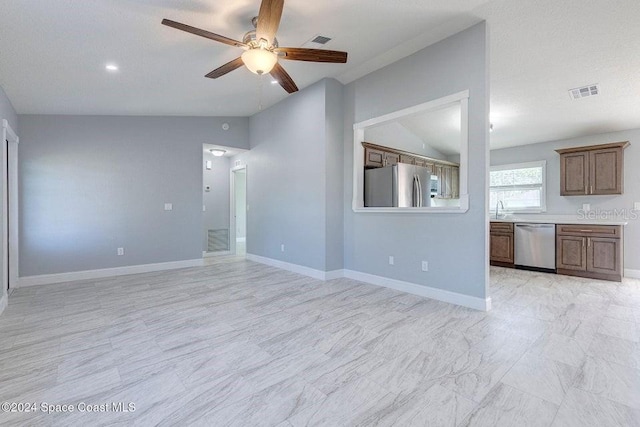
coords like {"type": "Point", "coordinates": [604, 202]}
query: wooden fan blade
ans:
{"type": "Point", "coordinates": [202, 33]}
{"type": "Point", "coordinates": [226, 68]}
{"type": "Point", "coordinates": [269, 19]}
{"type": "Point", "coordinates": [283, 78]}
{"type": "Point", "coordinates": [312, 55]}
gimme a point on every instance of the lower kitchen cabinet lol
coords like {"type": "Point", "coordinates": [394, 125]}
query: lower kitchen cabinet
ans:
{"type": "Point", "coordinates": [590, 251]}
{"type": "Point", "coordinates": [501, 244]}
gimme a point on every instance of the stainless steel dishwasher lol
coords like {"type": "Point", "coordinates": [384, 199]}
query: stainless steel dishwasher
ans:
{"type": "Point", "coordinates": [535, 246]}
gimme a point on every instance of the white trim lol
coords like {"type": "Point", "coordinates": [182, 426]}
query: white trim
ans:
{"type": "Point", "coordinates": [631, 274]}
{"type": "Point", "coordinates": [9, 172]}
{"type": "Point", "coordinates": [214, 254]}
{"type": "Point", "coordinates": [46, 279]}
{"type": "Point", "coordinates": [294, 268]}
{"type": "Point", "coordinates": [420, 290]}
{"type": "Point", "coordinates": [411, 288]}
{"type": "Point", "coordinates": [232, 206]}
{"type": "Point", "coordinates": [357, 203]}
{"type": "Point", "coordinates": [3, 303]}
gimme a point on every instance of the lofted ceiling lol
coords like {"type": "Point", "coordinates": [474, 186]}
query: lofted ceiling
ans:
{"type": "Point", "coordinates": [53, 54]}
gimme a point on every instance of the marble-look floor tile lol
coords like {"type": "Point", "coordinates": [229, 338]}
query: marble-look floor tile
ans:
{"type": "Point", "coordinates": [435, 406]}
{"type": "Point", "coordinates": [584, 409]}
{"type": "Point", "coordinates": [506, 406]}
{"type": "Point", "coordinates": [620, 329]}
{"type": "Point", "coordinates": [239, 343]}
{"type": "Point", "coordinates": [610, 380]}
{"type": "Point", "coordinates": [559, 348]}
{"type": "Point", "coordinates": [542, 378]}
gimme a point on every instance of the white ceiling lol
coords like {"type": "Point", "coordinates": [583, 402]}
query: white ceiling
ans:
{"type": "Point", "coordinates": [53, 55]}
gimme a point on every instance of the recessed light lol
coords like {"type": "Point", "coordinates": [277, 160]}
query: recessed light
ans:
{"type": "Point", "coordinates": [111, 67]}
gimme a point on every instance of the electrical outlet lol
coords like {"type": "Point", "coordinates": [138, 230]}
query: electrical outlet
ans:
{"type": "Point", "coordinates": [586, 207]}
{"type": "Point", "coordinates": [425, 266]}
{"type": "Point", "coordinates": [282, 247]}
{"type": "Point", "coordinates": [120, 251]}
{"type": "Point", "coordinates": [168, 206]}
{"type": "Point", "coordinates": [391, 260]}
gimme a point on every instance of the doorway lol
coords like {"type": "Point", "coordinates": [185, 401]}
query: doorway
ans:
{"type": "Point", "coordinates": [239, 210]}
{"type": "Point", "coordinates": [9, 210]}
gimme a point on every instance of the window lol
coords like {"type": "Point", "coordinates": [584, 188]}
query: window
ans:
{"type": "Point", "coordinates": [520, 187]}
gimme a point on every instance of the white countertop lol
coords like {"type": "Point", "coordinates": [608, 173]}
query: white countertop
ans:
{"type": "Point", "coordinates": [559, 219]}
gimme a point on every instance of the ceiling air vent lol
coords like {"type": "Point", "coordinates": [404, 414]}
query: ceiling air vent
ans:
{"type": "Point", "coordinates": [584, 91]}
{"type": "Point", "coordinates": [317, 42]}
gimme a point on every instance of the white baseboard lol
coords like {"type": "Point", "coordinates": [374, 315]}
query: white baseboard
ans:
{"type": "Point", "coordinates": [408, 287]}
{"type": "Point", "coordinates": [421, 290]}
{"type": "Point", "coordinates": [632, 274]}
{"type": "Point", "coordinates": [295, 268]}
{"type": "Point", "coordinates": [47, 279]}
{"type": "Point", "coordinates": [212, 254]}
{"type": "Point", "coordinates": [3, 302]}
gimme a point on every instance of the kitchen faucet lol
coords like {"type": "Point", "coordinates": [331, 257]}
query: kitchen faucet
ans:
{"type": "Point", "coordinates": [498, 206]}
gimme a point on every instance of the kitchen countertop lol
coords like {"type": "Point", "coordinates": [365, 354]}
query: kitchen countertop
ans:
{"type": "Point", "coordinates": [559, 219]}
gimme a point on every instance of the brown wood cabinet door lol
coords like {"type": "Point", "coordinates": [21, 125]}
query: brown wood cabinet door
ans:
{"type": "Point", "coordinates": [373, 158]}
{"type": "Point", "coordinates": [605, 171]}
{"type": "Point", "coordinates": [391, 159]}
{"type": "Point", "coordinates": [574, 173]}
{"type": "Point", "coordinates": [407, 159]}
{"type": "Point", "coordinates": [455, 182]}
{"type": "Point", "coordinates": [571, 253]}
{"type": "Point", "coordinates": [501, 247]}
{"type": "Point", "coordinates": [603, 255]}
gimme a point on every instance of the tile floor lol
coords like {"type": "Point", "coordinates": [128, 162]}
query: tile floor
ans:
{"type": "Point", "coordinates": [239, 343]}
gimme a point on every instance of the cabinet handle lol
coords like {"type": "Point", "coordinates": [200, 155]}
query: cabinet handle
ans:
{"type": "Point", "coordinates": [592, 189]}
{"type": "Point", "coordinates": [587, 231]}
{"type": "Point", "coordinates": [588, 242]}
{"type": "Point", "coordinates": [583, 239]}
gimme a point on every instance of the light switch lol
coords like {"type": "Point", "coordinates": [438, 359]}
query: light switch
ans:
{"type": "Point", "coordinates": [168, 206]}
{"type": "Point", "coordinates": [636, 206]}
{"type": "Point", "coordinates": [586, 207]}
{"type": "Point", "coordinates": [204, 208]}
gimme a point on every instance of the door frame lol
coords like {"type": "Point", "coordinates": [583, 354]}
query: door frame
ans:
{"type": "Point", "coordinates": [9, 210]}
{"type": "Point", "coordinates": [232, 205]}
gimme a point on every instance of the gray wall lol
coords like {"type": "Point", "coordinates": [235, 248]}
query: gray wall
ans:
{"type": "Point", "coordinates": [334, 176]}
{"type": "Point", "coordinates": [290, 189]}
{"type": "Point", "coordinates": [455, 245]}
{"type": "Point", "coordinates": [216, 201]}
{"type": "Point", "coordinates": [91, 184]}
{"type": "Point", "coordinates": [557, 204]}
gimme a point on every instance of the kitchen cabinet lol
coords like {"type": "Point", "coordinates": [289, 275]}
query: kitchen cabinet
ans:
{"type": "Point", "coordinates": [407, 159]}
{"type": "Point", "coordinates": [593, 251]}
{"type": "Point", "coordinates": [391, 159]}
{"type": "Point", "coordinates": [592, 170]}
{"type": "Point", "coordinates": [501, 244]}
{"type": "Point", "coordinates": [448, 173]}
{"type": "Point", "coordinates": [373, 158]}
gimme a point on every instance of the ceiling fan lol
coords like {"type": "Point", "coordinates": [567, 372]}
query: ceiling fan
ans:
{"type": "Point", "coordinates": [261, 47]}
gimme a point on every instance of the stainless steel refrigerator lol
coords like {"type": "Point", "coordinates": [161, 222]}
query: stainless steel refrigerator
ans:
{"type": "Point", "coordinates": [400, 185]}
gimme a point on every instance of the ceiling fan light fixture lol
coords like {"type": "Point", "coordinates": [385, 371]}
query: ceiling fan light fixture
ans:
{"type": "Point", "coordinates": [259, 61]}
{"type": "Point", "coordinates": [217, 152]}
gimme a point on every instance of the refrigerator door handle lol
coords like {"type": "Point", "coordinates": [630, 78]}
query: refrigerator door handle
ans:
{"type": "Point", "coordinates": [420, 201]}
{"type": "Point", "coordinates": [414, 201]}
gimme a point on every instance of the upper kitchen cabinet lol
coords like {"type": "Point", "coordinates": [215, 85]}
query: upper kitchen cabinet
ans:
{"type": "Point", "coordinates": [592, 170]}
